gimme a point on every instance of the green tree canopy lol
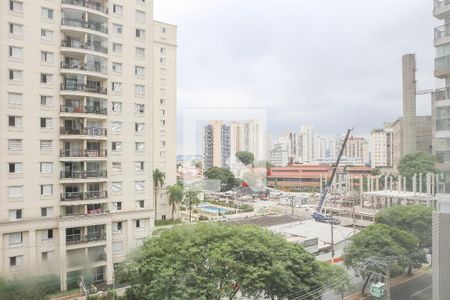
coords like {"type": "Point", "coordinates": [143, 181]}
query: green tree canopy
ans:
{"type": "Point", "coordinates": [214, 261]}
{"type": "Point", "coordinates": [415, 163]}
{"type": "Point", "coordinates": [226, 178]}
{"type": "Point", "coordinates": [245, 157]}
{"type": "Point", "coordinates": [415, 219]}
{"type": "Point", "coordinates": [175, 196]}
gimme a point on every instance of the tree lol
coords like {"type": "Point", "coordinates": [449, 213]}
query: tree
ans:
{"type": "Point", "coordinates": [335, 276]}
{"type": "Point", "coordinates": [29, 287]}
{"type": "Point", "coordinates": [192, 199]}
{"type": "Point", "coordinates": [415, 163]}
{"type": "Point", "coordinates": [415, 219]}
{"type": "Point", "coordinates": [158, 182]}
{"type": "Point", "coordinates": [175, 196]}
{"type": "Point", "coordinates": [245, 157]}
{"type": "Point", "coordinates": [226, 178]}
{"type": "Point", "coordinates": [216, 261]}
{"type": "Point", "coordinates": [382, 242]}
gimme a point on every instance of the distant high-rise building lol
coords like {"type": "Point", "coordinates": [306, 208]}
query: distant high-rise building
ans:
{"type": "Point", "coordinates": [382, 146]}
{"type": "Point", "coordinates": [306, 143]}
{"type": "Point", "coordinates": [357, 148]}
{"type": "Point", "coordinates": [278, 156]}
{"type": "Point", "coordinates": [217, 145]}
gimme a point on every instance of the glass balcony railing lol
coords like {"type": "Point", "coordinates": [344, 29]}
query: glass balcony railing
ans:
{"type": "Point", "coordinates": [83, 109]}
{"type": "Point", "coordinates": [98, 47]}
{"type": "Point", "coordinates": [85, 67]}
{"type": "Point", "coordinates": [74, 196]}
{"type": "Point", "coordinates": [78, 238]}
{"type": "Point", "coordinates": [89, 4]}
{"type": "Point", "coordinates": [84, 131]}
{"type": "Point", "coordinates": [83, 88]}
{"type": "Point", "coordinates": [83, 153]}
{"type": "Point", "coordinates": [93, 25]}
{"type": "Point", "coordinates": [441, 31]}
{"type": "Point", "coordinates": [83, 174]}
{"type": "Point", "coordinates": [441, 94]}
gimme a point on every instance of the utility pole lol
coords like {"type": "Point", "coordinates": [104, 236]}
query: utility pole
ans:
{"type": "Point", "coordinates": [292, 204]}
{"type": "Point", "coordinates": [354, 217]}
{"type": "Point", "coordinates": [332, 239]}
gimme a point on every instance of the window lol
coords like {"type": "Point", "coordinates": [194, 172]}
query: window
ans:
{"type": "Point", "coordinates": [139, 89]}
{"type": "Point", "coordinates": [140, 33]}
{"type": "Point", "coordinates": [15, 168]}
{"type": "Point", "coordinates": [117, 247]}
{"type": "Point", "coordinates": [139, 224]}
{"type": "Point", "coordinates": [15, 75]}
{"type": "Point", "coordinates": [46, 56]}
{"type": "Point", "coordinates": [15, 6]}
{"type": "Point", "coordinates": [16, 261]}
{"type": "Point", "coordinates": [162, 154]}
{"type": "Point", "coordinates": [139, 108]}
{"type": "Point", "coordinates": [16, 52]}
{"type": "Point", "coordinates": [116, 187]}
{"type": "Point", "coordinates": [15, 214]}
{"type": "Point", "coordinates": [46, 78]}
{"type": "Point", "coordinates": [117, 205]}
{"type": "Point", "coordinates": [46, 13]}
{"type": "Point", "coordinates": [139, 242]}
{"type": "Point", "coordinates": [15, 29]}
{"type": "Point", "coordinates": [46, 189]}
{"type": "Point", "coordinates": [139, 186]}
{"type": "Point", "coordinates": [139, 165]}
{"type": "Point", "coordinates": [163, 29]}
{"type": "Point", "coordinates": [140, 16]}
{"type": "Point", "coordinates": [162, 51]}
{"type": "Point", "coordinates": [116, 126]}
{"type": "Point", "coordinates": [46, 123]}
{"type": "Point", "coordinates": [46, 211]}
{"type": "Point", "coordinates": [117, 166]}
{"type": "Point", "coordinates": [116, 146]}
{"type": "Point", "coordinates": [139, 71]}
{"type": "Point", "coordinates": [14, 145]}
{"type": "Point", "coordinates": [117, 28]}
{"type": "Point", "coordinates": [163, 143]}
{"type": "Point", "coordinates": [15, 121]}
{"type": "Point", "coordinates": [162, 112]}
{"type": "Point", "coordinates": [117, 67]}
{"type": "Point", "coordinates": [117, 106]}
{"type": "Point", "coordinates": [117, 48]}
{"type": "Point", "coordinates": [163, 123]}
{"type": "Point", "coordinates": [15, 98]}
{"type": "Point", "coordinates": [118, 9]}
{"type": "Point", "coordinates": [140, 204]}
{"type": "Point", "coordinates": [46, 145]}
{"type": "Point", "coordinates": [47, 256]}
{"type": "Point", "coordinates": [47, 234]}
{"type": "Point", "coordinates": [15, 239]}
{"type": "Point", "coordinates": [46, 100]}
{"type": "Point", "coordinates": [140, 147]}
{"type": "Point", "coordinates": [46, 167]}
{"type": "Point", "coordinates": [117, 86]}
{"type": "Point", "coordinates": [15, 191]}
{"type": "Point", "coordinates": [162, 82]}
{"type": "Point", "coordinates": [139, 127]}
{"type": "Point", "coordinates": [140, 52]}
{"type": "Point", "coordinates": [162, 101]}
{"type": "Point", "coordinates": [117, 227]}
{"type": "Point", "coordinates": [46, 34]}
{"type": "Point", "coordinates": [162, 61]}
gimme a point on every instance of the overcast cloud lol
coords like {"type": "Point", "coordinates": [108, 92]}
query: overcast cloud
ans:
{"type": "Point", "coordinates": [331, 64]}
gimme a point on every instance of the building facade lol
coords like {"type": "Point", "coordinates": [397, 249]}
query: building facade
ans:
{"type": "Point", "coordinates": [217, 145]}
{"type": "Point", "coordinates": [357, 148]}
{"type": "Point", "coordinates": [278, 156]}
{"type": "Point", "coordinates": [87, 111]}
{"type": "Point", "coordinates": [382, 147]}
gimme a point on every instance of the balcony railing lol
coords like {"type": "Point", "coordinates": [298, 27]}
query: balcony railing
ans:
{"type": "Point", "coordinates": [86, 67]}
{"type": "Point", "coordinates": [83, 88]}
{"type": "Point", "coordinates": [89, 4]}
{"type": "Point", "coordinates": [83, 153]}
{"type": "Point", "coordinates": [84, 110]}
{"type": "Point", "coordinates": [441, 31]}
{"type": "Point", "coordinates": [78, 238]}
{"type": "Point", "coordinates": [83, 174]}
{"type": "Point", "coordinates": [442, 94]}
{"type": "Point", "coordinates": [84, 131]}
{"type": "Point", "coordinates": [74, 196]}
{"type": "Point", "coordinates": [88, 46]}
{"type": "Point", "coordinates": [93, 25]}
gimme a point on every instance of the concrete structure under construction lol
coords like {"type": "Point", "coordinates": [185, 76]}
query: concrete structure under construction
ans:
{"type": "Point", "coordinates": [409, 103]}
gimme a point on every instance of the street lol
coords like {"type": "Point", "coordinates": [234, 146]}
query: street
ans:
{"type": "Point", "coordinates": [418, 288]}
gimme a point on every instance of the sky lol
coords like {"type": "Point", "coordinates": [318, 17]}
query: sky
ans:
{"type": "Point", "coordinates": [331, 64]}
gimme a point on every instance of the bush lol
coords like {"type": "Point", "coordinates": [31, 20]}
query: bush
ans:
{"type": "Point", "coordinates": [167, 222]}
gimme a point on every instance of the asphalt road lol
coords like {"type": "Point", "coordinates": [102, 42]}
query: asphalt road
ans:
{"type": "Point", "coordinates": [418, 288]}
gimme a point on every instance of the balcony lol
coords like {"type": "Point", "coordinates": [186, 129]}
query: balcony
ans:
{"type": "Point", "coordinates": [87, 46]}
{"type": "Point", "coordinates": [441, 8]}
{"type": "Point", "coordinates": [83, 174]}
{"type": "Point", "coordinates": [92, 25]}
{"type": "Point", "coordinates": [442, 66]}
{"type": "Point", "coordinates": [441, 34]}
{"type": "Point", "coordinates": [84, 131]}
{"type": "Point", "coordinates": [86, 67]}
{"type": "Point", "coordinates": [442, 94]}
{"type": "Point", "coordinates": [78, 238]}
{"type": "Point", "coordinates": [76, 196]}
{"type": "Point", "coordinates": [83, 153]}
{"type": "Point", "coordinates": [83, 110]}
{"type": "Point", "coordinates": [88, 4]}
{"type": "Point", "coordinates": [83, 88]}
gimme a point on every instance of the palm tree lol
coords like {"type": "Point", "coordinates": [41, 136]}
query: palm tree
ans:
{"type": "Point", "coordinates": [158, 182]}
{"type": "Point", "coordinates": [192, 197]}
{"type": "Point", "coordinates": [175, 196]}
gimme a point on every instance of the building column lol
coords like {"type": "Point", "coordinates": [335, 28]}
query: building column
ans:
{"type": "Point", "coordinates": [32, 255]}
{"type": "Point", "coordinates": [130, 236]}
{"type": "Point", "coordinates": [109, 262]}
{"type": "Point", "coordinates": [62, 259]}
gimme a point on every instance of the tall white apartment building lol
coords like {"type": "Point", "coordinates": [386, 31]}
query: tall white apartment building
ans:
{"type": "Point", "coordinates": [357, 148]}
{"type": "Point", "coordinates": [87, 112]}
{"type": "Point", "coordinates": [381, 146]}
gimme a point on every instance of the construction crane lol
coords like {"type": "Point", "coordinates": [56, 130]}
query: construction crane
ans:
{"type": "Point", "coordinates": [317, 215]}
